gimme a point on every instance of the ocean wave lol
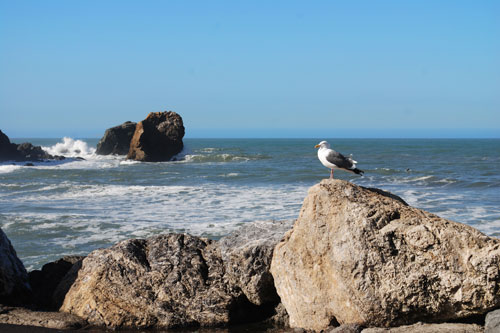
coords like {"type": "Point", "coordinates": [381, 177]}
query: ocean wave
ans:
{"type": "Point", "coordinates": [231, 174]}
{"type": "Point", "coordinates": [210, 150]}
{"type": "Point", "coordinates": [480, 184]}
{"type": "Point", "coordinates": [71, 148]}
{"type": "Point", "coordinates": [129, 162]}
{"type": "Point", "coordinates": [84, 217]}
{"type": "Point", "coordinates": [9, 168]}
{"type": "Point", "coordinates": [387, 171]}
{"type": "Point", "coordinates": [428, 180]}
{"type": "Point", "coordinates": [422, 178]}
{"type": "Point", "coordinates": [199, 158]}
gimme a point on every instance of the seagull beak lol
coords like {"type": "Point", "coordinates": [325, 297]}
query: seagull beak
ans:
{"type": "Point", "coordinates": [317, 146]}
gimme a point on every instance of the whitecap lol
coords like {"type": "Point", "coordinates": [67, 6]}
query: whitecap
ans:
{"type": "Point", "coordinates": [421, 178]}
{"type": "Point", "coordinates": [71, 148]}
{"type": "Point", "coordinates": [129, 162]}
{"type": "Point", "coordinates": [9, 168]}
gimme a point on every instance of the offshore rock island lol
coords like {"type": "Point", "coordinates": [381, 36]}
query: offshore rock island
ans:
{"type": "Point", "coordinates": [356, 259]}
{"type": "Point", "coordinates": [155, 139]}
{"type": "Point", "coordinates": [23, 152]}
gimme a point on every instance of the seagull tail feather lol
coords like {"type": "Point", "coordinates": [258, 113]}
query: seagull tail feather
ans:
{"type": "Point", "coordinates": [358, 171]}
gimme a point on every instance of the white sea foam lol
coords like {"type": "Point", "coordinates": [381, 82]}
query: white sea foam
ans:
{"type": "Point", "coordinates": [71, 148]}
{"type": "Point", "coordinates": [129, 162]}
{"type": "Point", "coordinates": [421, 178]}
{"type": "Point", "coordinates": [231, 174]}
{"type": "Point", "coordinates": [89, 216]}
{"type": "Point", "coordinates": [210, 150]}
{"type": "Point", "coordinates": [9, 168]}
{"type": "Point", "coordinates": [133, 210]}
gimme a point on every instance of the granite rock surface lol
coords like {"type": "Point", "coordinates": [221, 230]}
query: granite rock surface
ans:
{"type": "Point", "coordinates": [359, 256]}
{"type": "Point", "coordinates": [167, 281]}
{"type": "Point", "coordinates": [492, 322]}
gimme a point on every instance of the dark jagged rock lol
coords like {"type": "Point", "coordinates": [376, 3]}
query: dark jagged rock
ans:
{"type": "Point", "coordinates": [247, 255]}
{"type": "Point", "coordinates": [157, 138]}
{"type": "Point", "coordinates": [14, 286]}
{"type": "Point", "coordinates": [8, 150]}
{"type": "Point", "coordinates": [116, 140]}
{"type": "Point", "coordinates": [65, 284]}
{"type": "Point", "coordinates": [280, 318]}
{"type": "Point", "coordinates": [29, 152]}
{"type": "Point", "coordinates": [45, 281]}
{"type": "Point", "coordinates": [22, 152]}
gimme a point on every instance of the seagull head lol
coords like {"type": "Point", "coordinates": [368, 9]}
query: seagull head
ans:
{"type": "Point", "coordinates": [323, 144]}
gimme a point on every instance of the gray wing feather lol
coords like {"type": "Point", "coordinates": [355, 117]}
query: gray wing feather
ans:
{"type": "Point", "coordinates": [339, 160]}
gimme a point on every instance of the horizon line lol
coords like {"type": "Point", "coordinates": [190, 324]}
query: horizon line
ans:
{"type": "Point", "coordinates": [280, 138]}
{"type": "Point", "coordinates": [289, 133]}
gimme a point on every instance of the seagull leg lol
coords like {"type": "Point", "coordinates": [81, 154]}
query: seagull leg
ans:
{"type": "Point", "coordinates": [331, 173]}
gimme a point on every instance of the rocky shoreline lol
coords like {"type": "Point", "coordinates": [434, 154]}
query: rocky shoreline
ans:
{"type": "Point", "coordinates": [355, 260]}
{"type": "Point", "coordinates": [157, 138]}
{"type": "Point", "coordinates": [24, 152]}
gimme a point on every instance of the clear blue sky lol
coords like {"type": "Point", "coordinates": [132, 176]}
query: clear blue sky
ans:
{"type": "Point", "coordinates": [252, 68]}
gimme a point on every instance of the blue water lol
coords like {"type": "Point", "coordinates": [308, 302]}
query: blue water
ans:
{"type": "Point", "coordinates": [73, 207]}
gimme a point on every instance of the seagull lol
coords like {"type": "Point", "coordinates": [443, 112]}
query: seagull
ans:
{"type": "Point", "coordinates": [334, 160]}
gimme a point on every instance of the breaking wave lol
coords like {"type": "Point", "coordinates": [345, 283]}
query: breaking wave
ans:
{"type": "Point", "coordinates": [71, 148]}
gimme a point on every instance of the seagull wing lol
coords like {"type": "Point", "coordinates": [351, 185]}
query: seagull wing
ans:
{"type": "Point", "coordinates": [339, 160]}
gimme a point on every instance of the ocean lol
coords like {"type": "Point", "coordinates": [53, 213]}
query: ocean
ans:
{"type": "Point", "coordinates": [72, 207]}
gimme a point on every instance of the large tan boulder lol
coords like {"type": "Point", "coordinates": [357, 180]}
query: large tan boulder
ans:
{"type": "Point", "coordinates": [157, 138]}
{"type": "Point", "coordinates": [166, 281]}
{"type": "Point", "coordinates": [359, 255]}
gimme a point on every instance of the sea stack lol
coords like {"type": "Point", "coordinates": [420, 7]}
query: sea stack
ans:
{"type": "Point", "coordinates": [116, 140]}
{"type": "Point", "coordinates": [157, 138]}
